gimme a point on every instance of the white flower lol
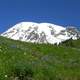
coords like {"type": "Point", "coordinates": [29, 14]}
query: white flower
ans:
{"type": "Point", "coordinates": [6, 76]}
{"type": "Point", "coordinates": [24, 53]}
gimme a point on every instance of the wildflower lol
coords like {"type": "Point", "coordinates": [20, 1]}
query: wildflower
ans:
{"type": "Point", "coordinates": [13, 46]}
{"type": "Point", "coordinates": [24, 53]}
{"type": "Point", "coordinates": [6, 76]}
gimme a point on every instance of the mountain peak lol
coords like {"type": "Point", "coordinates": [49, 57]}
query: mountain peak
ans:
{"type": "Point", "coordinates": [39, 33]}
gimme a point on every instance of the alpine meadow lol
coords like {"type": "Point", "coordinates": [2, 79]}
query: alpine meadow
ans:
{"type": "Point", "coordinates": [33, 61]}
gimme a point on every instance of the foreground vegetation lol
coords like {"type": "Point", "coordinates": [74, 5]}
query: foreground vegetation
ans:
{"type": "Point", "coordinates": [27, 61]}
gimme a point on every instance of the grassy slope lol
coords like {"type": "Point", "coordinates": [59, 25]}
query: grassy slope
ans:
{"type": "Point", "coordinates": [27, 61]}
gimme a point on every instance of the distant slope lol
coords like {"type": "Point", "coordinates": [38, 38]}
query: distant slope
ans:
{"type": "Point", "coordinates": [27, 61]}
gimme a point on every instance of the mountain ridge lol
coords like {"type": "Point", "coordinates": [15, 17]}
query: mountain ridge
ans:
{"type": "Point", "coordinates": [40, 33]}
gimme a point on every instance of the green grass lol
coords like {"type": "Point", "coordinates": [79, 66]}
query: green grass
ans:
{"type": "Point", "coordinates": [27, 61]}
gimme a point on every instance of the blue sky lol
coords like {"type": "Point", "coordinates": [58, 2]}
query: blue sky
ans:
{"type": "Point", "coordinates": [60, 12]}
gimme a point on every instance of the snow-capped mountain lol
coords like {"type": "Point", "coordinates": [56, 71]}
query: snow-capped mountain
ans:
{"type": "Point", "coordinates": [40, 33]}
{"type": "Point", "coordinates": [74, 32]}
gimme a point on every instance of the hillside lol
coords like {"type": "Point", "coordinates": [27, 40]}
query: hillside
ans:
{"type": "Point", "coordinates": [32, 61]}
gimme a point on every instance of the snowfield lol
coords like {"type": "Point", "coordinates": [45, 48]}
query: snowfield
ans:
{"type": "Point", "coordinates": [39, 33]}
